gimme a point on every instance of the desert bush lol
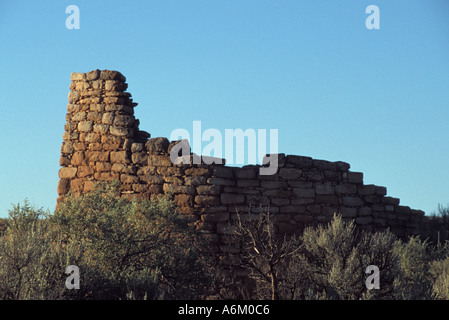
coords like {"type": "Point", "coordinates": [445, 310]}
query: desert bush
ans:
{"type": "Point", "coordinates": [144, 247]}
{"type": "Point", "coordinates": [336, 257]}
{"type": "Point", "coordinates": [29, 267]}
{"type": "Point", "coordinates": [268, 257]}
{"type": "Point", "coordinates": [123, 249]}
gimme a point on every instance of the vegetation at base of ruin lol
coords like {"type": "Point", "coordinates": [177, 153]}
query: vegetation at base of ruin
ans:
{"type": "Point", "coordinates": [124, 250]}
{"type": "Point", "coordinates": [129, 249]}
{"type": "Point", "coordinates": [329, 262]}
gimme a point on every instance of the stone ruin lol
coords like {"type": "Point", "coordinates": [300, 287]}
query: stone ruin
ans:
{"type": "Point", "coordinates": [102, 141]}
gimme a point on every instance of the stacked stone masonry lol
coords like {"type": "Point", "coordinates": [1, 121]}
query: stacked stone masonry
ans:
{"type": "Point", "coordinates": [102, 141]}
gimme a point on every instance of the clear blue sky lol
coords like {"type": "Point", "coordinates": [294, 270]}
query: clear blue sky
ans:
{"type": "Point", "coordinates": [377, 99]}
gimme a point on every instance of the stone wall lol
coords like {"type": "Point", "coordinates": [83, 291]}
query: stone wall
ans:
{"type": "Point", "coordinates": [102, 141]}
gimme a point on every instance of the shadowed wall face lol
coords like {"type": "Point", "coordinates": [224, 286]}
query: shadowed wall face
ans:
{"type": "Point", "coordinates": [102, 141]}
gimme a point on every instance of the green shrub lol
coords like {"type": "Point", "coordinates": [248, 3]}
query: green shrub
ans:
{"type": "Point", "coordinates": [29, 267]}
{"type": "Point", "coordinates": [123, 249]}
{"type": "Point", "coordinates": [336, 257]}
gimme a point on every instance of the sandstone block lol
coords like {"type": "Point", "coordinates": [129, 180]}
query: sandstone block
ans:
{"type": "Point", "coordinates": [94, 116]}
{"type": "Point", "coordinates": [120, 131]}
{"type": "Point", "coordinates": [248, 183]}
{"type": "Point", "coordinates": [352, 201]}
{"type": "Point", "coordinates": [152, 179]}
{"type": "Point", "coordinates": [63, 186]}
{"type": "Point", "coordinates": [85, 126]}
{"type": "Point", "coordinates": [223, 172]}
{"type": "Point", "coordinates": [329, 211]}
{"type": "Point", "coordinates": [123, 109]}
{"type": "Point", "coordinates": [123, 168]}
{"type": "Point", "coordinates": [313, 175]}
{"type": "Point", "coordinates": [64, 161]}
{"type": "Point", "coordinates": [381, 191]}
{"type": "Point", "coordinates": [290, 173]}
{"type": "Point", "coordinates": [299, 161]}
{"type": "Point", "coordinates": [327, 199]}
{"type": "Point", "coordinates": [194, 181]}
{"type": "Point", "coordinates": [159, 160]}
{"type": "Point", "coordinates": [257, 200]}
{"type": "Point", "coordinates": [136, 147]}
{"type": "Point", "coordinates": [324, 165]}
{"type": "Point", "coordinates": [390, 201]}
{"type": "Point", "coordinates": [365, 211]}
{"type": "Point", "coordinates": [67, 172]}
{"type": "Point", "coordinates": [66, 136]}
{"type": "Point", "coordinates": [207, 200]}
{"type": "Point", "coordinates": [140, 158]}
{"type": "Point", "coordinates": [179, 148]}
{"type": "Point", "coordinates": [103, 166]}
{"type": "Point", "coordinates": [93, 75]}
{"type": "Point", "coordinates": [355, 177]}
{"type": "Point", "coordinates": [220, 182]}
{"type": "Point", "coordinates": [77, 185]}
{"type": "Point", "coordinates": [119, 157]}
{"type": "Point", "coordinates": [404, 210]}
{"type": "Point", "coordinates": [364, 220]}
{"type": "Point", "coordinates": [314, 209]}
{"type": "Point", "coordinates": [74, 97]}
{"type": "Point", "coordinates": [79, 116]}
{"type": "Point", "coordinates": [366, 190]}
{"type": "Point", "coordinates": [183, 200]}
{"type": "Point", "coordinates": [122, 120]}
{"type": "Point", "coordinates": [348, 212]}
{"type": "Point", "coordinates": [292, 209]}
{"type": "Point", "coordinates": [108, 118]}
{"type": "Point", "coordinates": [304, 193]}
{"type": "Point", "coordinates": [215, 217]}
{"type": "Point", "coordinates": [77, 76]}
{"type": "Point", "coordinates": [281, 193]}
{"type": "Point", "coordinates": [280, 201]}
{"type": "Point", "coordinates": [110, 176]}
{"type": "Point", "coordinates": [230, 198]}
{"type": "Point", "coordinates": [175, 189]}
{"type": "Point", "coordinates": [85, 171]}
{"type": "Point", "coordinates": [88, 186]}
{"type": "Point", "coordinates": [324, 188]}
{"type": "Point", "coordinates": [70, 126]}
{"type": "Point", "coordinates": [378, 207]}
{"type": "Point", "coordinates": [73, 108]}
{"type": "Point", "coordinates": [300, 184]}
{"type": "Point", "coordinates": [78, 158]}
{"type": "Point", "coordinates": [208, 190]}
{"type": "Point", "coordinates": [346, 188]}
{"type": "Point", "coordinates": [97, 107]}
{"type": "Point", "coordinates": [342, 166]}
{"type": "Point", "coordinates": [101, 128]}
{"type": "Point", "coordinates": [197, 171]}
{"type": "Point", "coordinates": [92, 137]}
{"type": "Point", "coordinates": [173, 180]}
{"type": "Point", "coordinates": [112, 75]}
{"type": "Point", "coordinates": [128, 179]}
{"type": "Point", "coordinates": [157, 145]}
{"type": "Point", "coordinates": [274, 184]}
{"type": "Point", "coordinates": [249, 172]}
